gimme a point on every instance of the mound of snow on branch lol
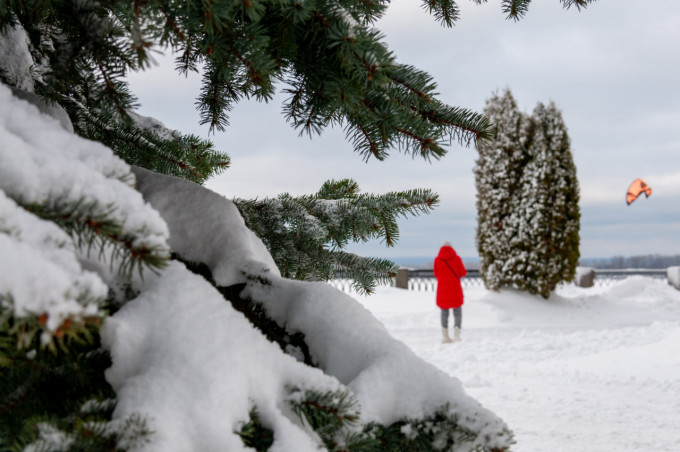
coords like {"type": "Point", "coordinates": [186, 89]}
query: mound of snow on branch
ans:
{"type": "Point", "coordinates": [195, 366]}
{"type": "Point", "coordinates": [40, 269]}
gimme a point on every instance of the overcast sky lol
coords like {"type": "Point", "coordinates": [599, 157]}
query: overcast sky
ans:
{"type": "Point", "coordinates": [613, 69]}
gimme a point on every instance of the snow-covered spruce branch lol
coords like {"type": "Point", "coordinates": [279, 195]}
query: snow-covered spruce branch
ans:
{"type": "Point", "coordinates": [95, 229]}
{"type": "Point", "coordinates": [341, 339]}
{"type": "Point", "coordinates": [46, 253]}
{"type": "Point", "coordinates": [327, 413]}
{"type": "Point", "coordinates": [342, 418]}
{"type": "Point", "coordinates": [81, 192]}
{"type": "Point", "coordinates": [290, 343]}
{"type": "Point", "coordinates": [78, 185]}
{"type": "Point", "coordinates": [59, 194]}
{"type": "Point", "coordinates": [306, 235]}
{"type": "Point", "coordinates": [335, 415]}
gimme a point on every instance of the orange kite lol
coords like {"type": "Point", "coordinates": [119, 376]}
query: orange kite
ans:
{"type": "Point", "coordinates": [637, 188]}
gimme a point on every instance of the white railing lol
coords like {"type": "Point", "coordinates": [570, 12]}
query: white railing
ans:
{"type": "Point", "coordinates": [424, 280]}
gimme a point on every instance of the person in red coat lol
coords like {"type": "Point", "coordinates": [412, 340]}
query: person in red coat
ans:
{"type": "Point", "coordinates": [448, 269]}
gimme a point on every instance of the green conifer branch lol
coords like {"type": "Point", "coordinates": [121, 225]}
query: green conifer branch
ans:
{"type": "Point", "coordinates": [327, 413]}
{"type": "Point", "coordinates": [580, 4]}
{"type": "Point", "coordinates": [338, 67]}
{"type": "Point", "coordinates": [365, 272]}
{"type": "Point", "coordinates": [444, 11]}
{"type": "Point", "coordinates": [335, 417]}
{"type": "Point", "coordinates": [345, 188]}
{"type": "Point", "coordinates": [56, 390]}
{"type": "Point", "coordinates": [515, 9]}
{"type": "Point", "coordinates": [254, 434]}
{"type": "Point", "coordinates": [306, 235]}
{"type": "Point", "coordinates": [185, 156]}
{"type": "Point", "coordinates": [369, 11]}
{"type": "Point", "coordinates": [26, 332]}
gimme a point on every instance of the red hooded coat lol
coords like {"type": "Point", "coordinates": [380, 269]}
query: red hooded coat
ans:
{"type": "Point", "coordinates": [448, 269]}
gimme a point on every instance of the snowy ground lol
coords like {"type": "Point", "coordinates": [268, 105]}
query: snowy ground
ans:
{"type": "Point", "coordinates": [589, 370]}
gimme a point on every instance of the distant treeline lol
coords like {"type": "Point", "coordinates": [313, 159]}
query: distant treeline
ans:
{"type": "Point", "coordinates": [645, 261]}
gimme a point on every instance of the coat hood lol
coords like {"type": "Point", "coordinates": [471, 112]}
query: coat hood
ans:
{"type": "Point", "coordinates": [446, 252]}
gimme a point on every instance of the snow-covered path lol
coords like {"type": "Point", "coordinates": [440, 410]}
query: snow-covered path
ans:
{"type": "Point", "coordinates": [589, 370]}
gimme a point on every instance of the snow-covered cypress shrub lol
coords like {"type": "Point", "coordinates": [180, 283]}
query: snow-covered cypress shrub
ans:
{"type": "Point", "coordinates": [527, 199]}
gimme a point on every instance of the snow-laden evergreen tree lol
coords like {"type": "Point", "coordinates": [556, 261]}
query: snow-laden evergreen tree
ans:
{"type": "Point", "coordinates": [498, 179]}
{"type": "Point", "coordinates": [527, 199]}
{"type": "Point", "coordinates": [123, 329]}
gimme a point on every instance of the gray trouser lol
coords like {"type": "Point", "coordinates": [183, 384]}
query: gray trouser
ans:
{"type": "Point", "coordinates": [457, 317]}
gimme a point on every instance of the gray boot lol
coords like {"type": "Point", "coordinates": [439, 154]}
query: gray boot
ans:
{"type": "Point", "coordinates": [445, 336]}
{"type": "Point", "coordinates": [456, 335]}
